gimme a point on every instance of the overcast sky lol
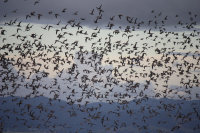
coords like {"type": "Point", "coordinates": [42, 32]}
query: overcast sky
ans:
{"type": "Point", "coordinates": [142, 10]}
{"type": "Point", "coordinates": [154, 14]}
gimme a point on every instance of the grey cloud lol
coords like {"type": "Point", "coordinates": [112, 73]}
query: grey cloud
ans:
{"type": "Point", "coordinates": [135, 9]}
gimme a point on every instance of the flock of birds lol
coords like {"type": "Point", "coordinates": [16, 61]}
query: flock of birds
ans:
{"type": "Point", "coordinates": [34, 56]}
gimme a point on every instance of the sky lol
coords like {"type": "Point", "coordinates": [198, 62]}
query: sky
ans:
{"type": "Point", "coordinates": [136, 9]}
{"type": "Point", "coordinates": [115, 53]}
{"type": "Point", "coordinates": [169, 17]}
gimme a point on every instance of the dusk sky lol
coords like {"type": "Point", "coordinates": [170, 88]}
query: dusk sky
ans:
{"type": "Point", "coordinates": [136, 9]}
{"type": "Point", "coordinates": [97, 50]}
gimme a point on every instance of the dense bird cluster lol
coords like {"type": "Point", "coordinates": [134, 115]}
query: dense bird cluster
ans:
{"type": "Point", "coordinates": [100, 93]}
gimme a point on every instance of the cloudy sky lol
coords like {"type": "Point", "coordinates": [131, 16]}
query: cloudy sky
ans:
{"type": "Point", "coordinates": [96, 17]}
{"type": "Point", "coordinates": [142, 10]}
